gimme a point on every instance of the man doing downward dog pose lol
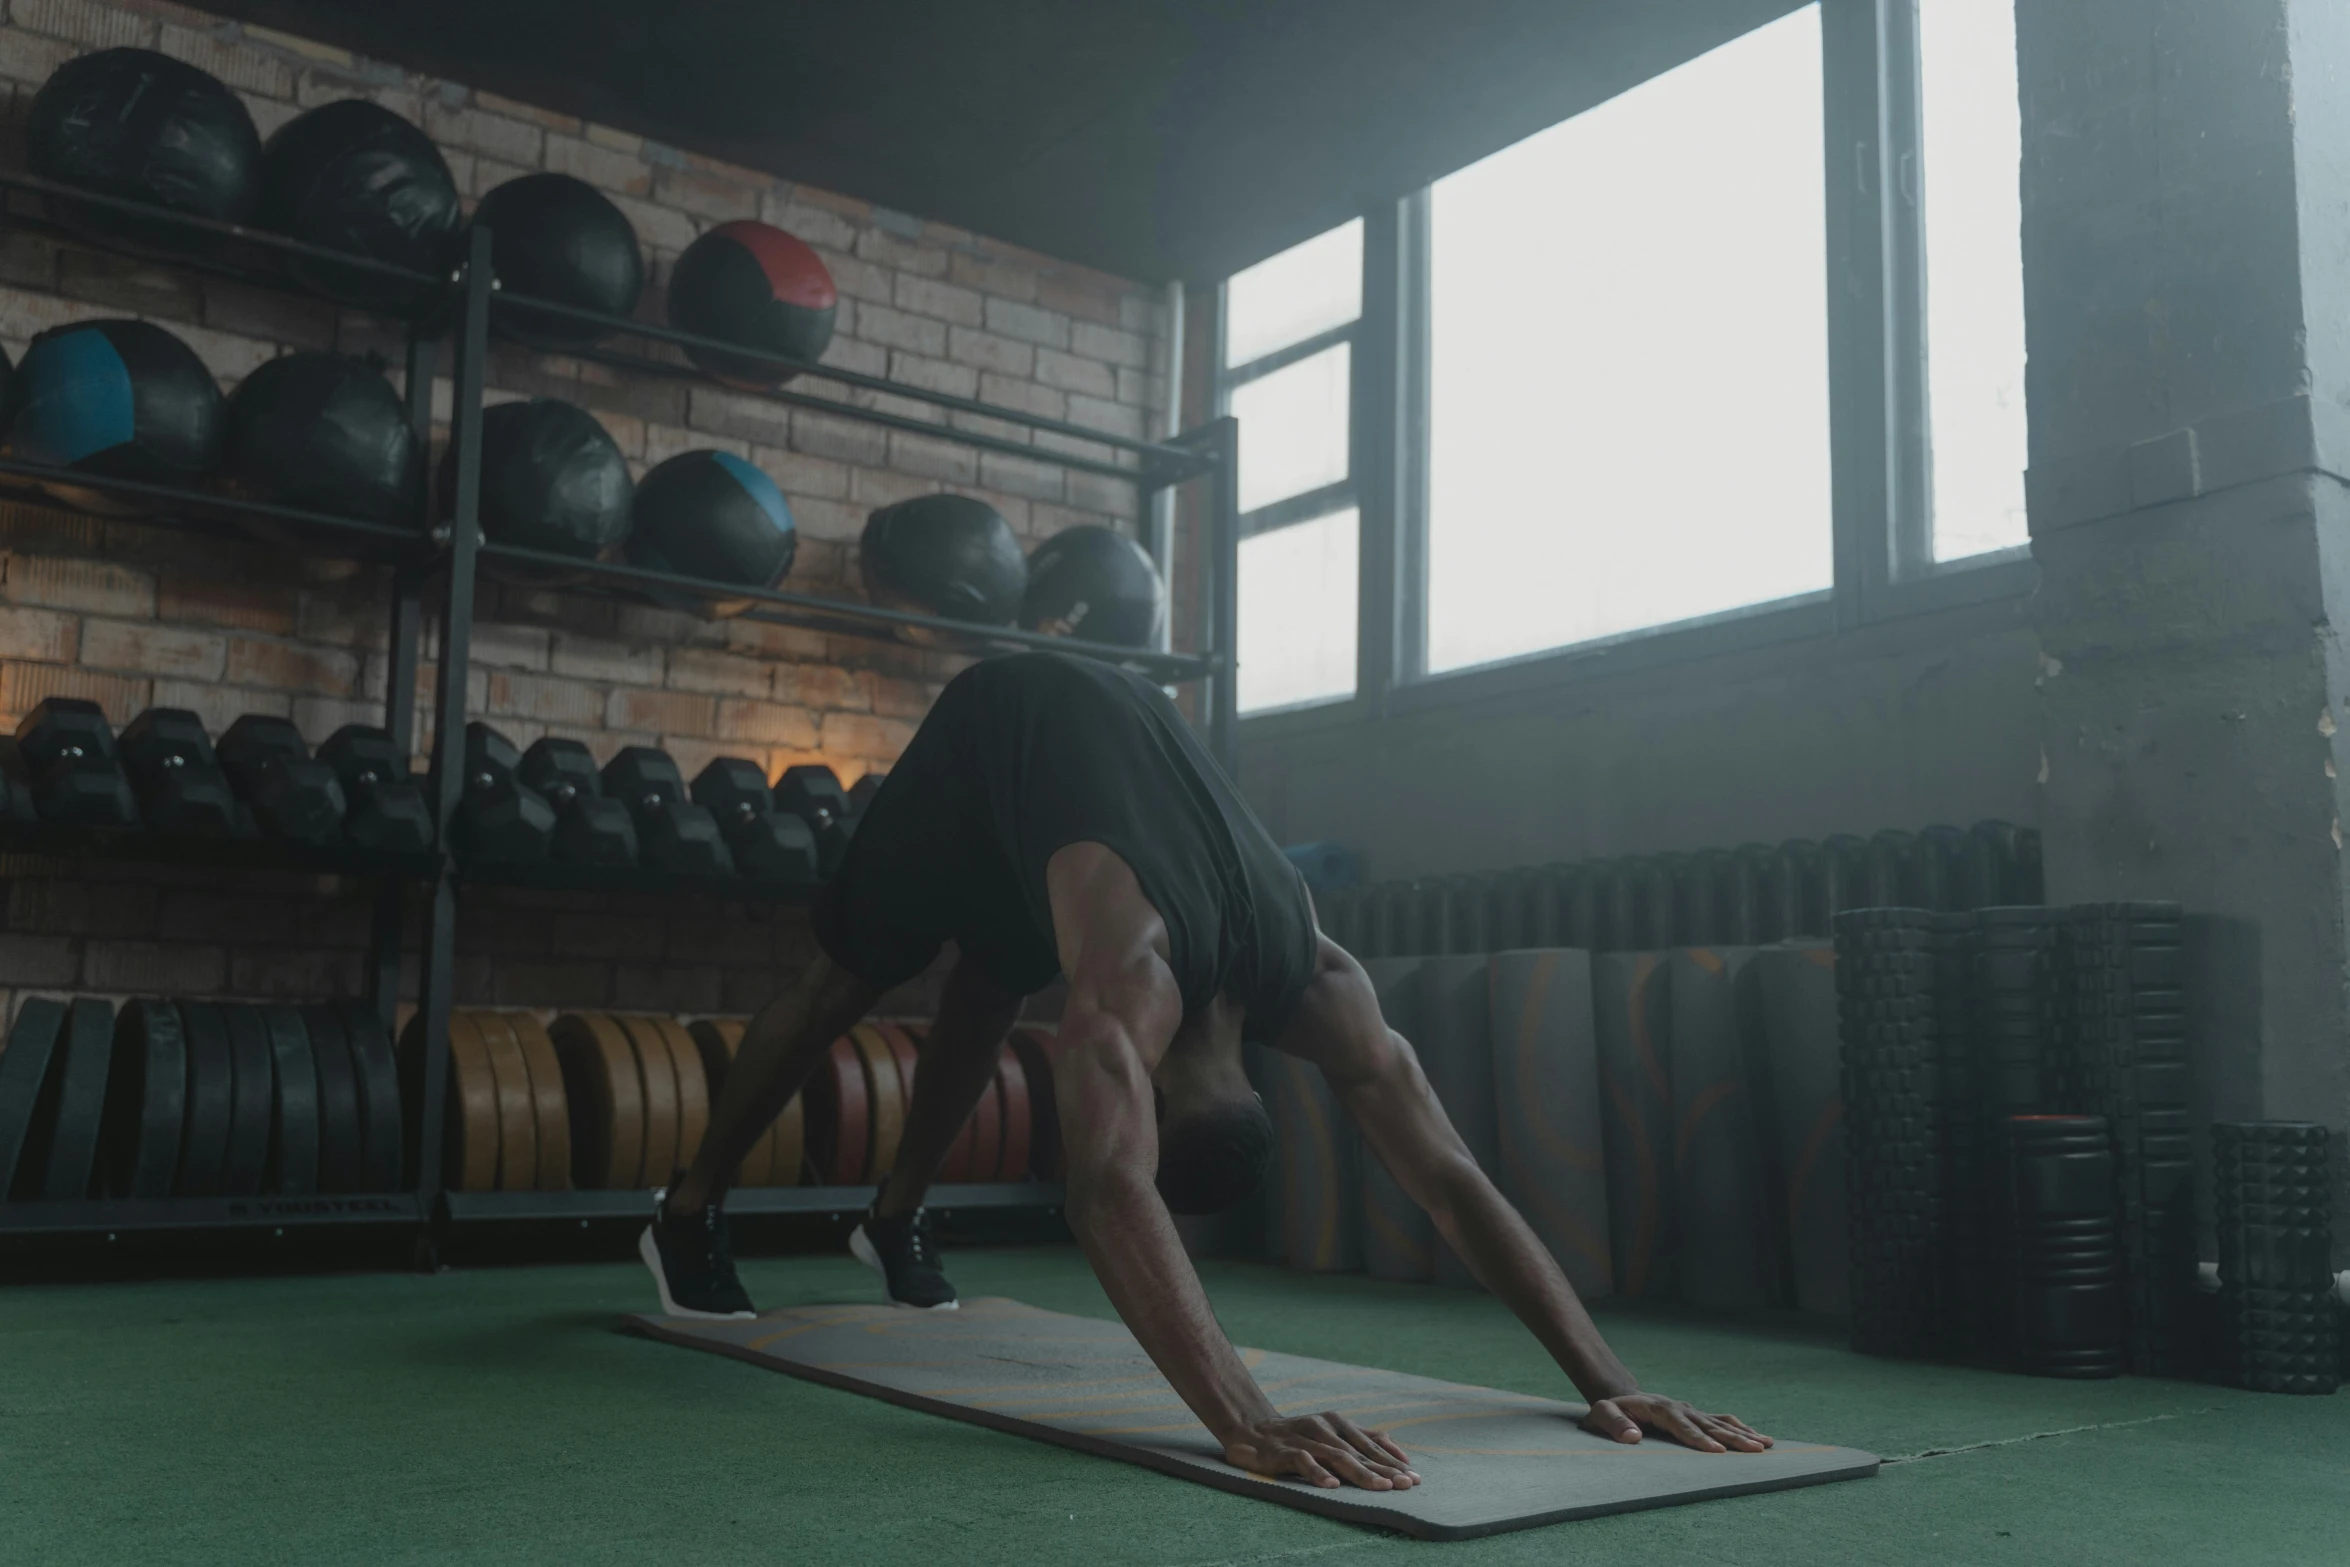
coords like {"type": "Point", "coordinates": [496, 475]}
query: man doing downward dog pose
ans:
{"type": "Point", "coordinates": [1056, 816]}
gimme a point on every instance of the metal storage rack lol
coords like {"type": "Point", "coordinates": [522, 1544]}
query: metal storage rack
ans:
{"type": "Point", "coordinates": [440, 560]}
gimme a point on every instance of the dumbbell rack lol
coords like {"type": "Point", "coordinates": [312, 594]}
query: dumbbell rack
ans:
{"type": "Point", "coordinates": [443, 560]}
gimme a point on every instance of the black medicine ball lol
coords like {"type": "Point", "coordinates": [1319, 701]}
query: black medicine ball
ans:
{"type": "Point", "coordinates": [751, 283]}
{"type": "Point", "coordinates": [947, 555]}
{"type": "Point", "coordinates": [1095, 584]}
{"type": "Point", "coordinates": [551, 479]}
{"type": "Point", "coordinates": [553, 237]}
{"type": "Point", "coordinates": [141, 126]}
{"type": "Point", "coordinates": [355, 176]}
{"type": "Point", "coordinates": [324, 433]}
{"type": "Point", "coordinates": [125, 399]}
{"type": "Point", "coordinates": [713, 515]}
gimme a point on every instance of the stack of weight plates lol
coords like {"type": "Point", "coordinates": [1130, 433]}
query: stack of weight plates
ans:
{"type": "Point", "coordinates": [2007, 995]}
{"type": "Point", "coordinates": [2064, 1249]}
{"type": "Point", "coordinates": [1967, 1186]}
{"type": "Point", "coordinates": [2119, 1045]}
{"type": "Point", "coordinates": [2275, 1243]}
{"type": "Point", "coordinates": [1885, 1007]}
{"type": "Point", "coordinates": [196, 1099]}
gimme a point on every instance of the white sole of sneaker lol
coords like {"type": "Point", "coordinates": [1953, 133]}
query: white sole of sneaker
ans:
{"type": "Point", "coordinates": [862, 1249]}
{"type": "Point", "coordinates": [651, 1254]}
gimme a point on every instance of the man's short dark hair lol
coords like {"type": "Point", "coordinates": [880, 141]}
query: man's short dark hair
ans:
{"type": "Point", "coordinates": [1212, 1158]}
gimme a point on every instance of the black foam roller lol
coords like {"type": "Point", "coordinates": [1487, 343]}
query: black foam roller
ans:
{"type": "Point", "coordinates": [212, 1088]}
{"type": "Point", "coordinates": [250, 1111]}
{"type": "Point", "coordinates": [24, 1072]}
{"type": "Point", "coordinates": [293, 1144]}
{"type": "Point", "coordinates": [146, 1097]}
{"type": "Point", "coordinates": [342, 1128]}
{"type": "Point", "coordinates": [379, 1098]}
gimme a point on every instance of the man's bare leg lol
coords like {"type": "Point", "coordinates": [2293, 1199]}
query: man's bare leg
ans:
{"type": "Point", "coordinates": [975, 1014]}
{"type": "Point", "coordinates": [780, 1048]}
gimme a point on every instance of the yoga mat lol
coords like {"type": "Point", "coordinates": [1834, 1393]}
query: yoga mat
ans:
{"type": "Point", "coordinates": [1456, 1051]}
{"type": "Point", "coordinates": [1399, 1240]}
{"type": "Point", "coordinates": [1799, 1023]}
{"type": "Point", "coordinates": [1631, 1010]}
{"type": "Point", "coordinates": [1546, 1099]}
{"type": "Point", "coordinates": [1489, 1461]}
{"type": "Point", "coordinates": [1723, 1198]}
{"type": "Point", "coordinates": [1321, 1170]}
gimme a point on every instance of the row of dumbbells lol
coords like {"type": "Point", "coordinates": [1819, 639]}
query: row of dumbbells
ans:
{"type": "Point", "coordinates": [67, 767]}
{"type": "Point", "coordinates": [553, 802]}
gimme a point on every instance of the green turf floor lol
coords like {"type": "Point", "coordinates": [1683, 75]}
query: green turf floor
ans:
{"type": "Point", "coordinates": [496, 1416]}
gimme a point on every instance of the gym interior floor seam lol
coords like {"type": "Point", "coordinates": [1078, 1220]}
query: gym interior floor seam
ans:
{"type": "Point", "coordinates": [500, 1415]}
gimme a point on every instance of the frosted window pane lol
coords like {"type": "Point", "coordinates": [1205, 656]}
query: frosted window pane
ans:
{"type": "Point", "coordinates": [1286, 299]}
{"type": "Point", "coordinates": [1973, 152]}
{"type": "Point", "coordinates": [1629, 396]}
{"type": "Point", "coordinates": [1293, 428]}
{"type": "Point", "coordinates": [1297, 613]}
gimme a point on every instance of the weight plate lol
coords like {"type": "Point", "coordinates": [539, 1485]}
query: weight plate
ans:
{"type": "Point", "coordinates": [293, 1141]}
{"type": "Point", "coordinates": [659, 1079]}
{"type": "Point", "coordinates": [1011, 1081]}
{"type": "Point", "coordinates": [1034, 1047]}
{"type": "Point", "coordinates": [24, 1075]}
{"type": "Point", "coordinates": [211, 1096]}
{"type": "Point", "coordinates": [552, 1113]}
{"type": "Point", "coordinates": [693, 1089]}
{"type": "Point", "coordinates": [470, 1120]}
{"type": "Point", "coordinates": [888, 1090]}
{"type": "Point", "coordinates": [518, 1120]}
{"type": "Point", "coordinates": [255, 1099]}
{"type": "Point", "coordinates": [839, 1116]}
{"type": "Point", "coordinates": [607, 1098]}
{"type": "Point", "coordinates": [342, 1134]}
{"type": "Point", "coordinates": [381, 1151]}
{"type": "Point", "coordinates": [716, 1041]}
{"type": "Point", "coordinates": [145, 1098]}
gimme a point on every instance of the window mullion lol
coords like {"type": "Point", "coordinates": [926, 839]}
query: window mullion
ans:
{"type": "Point", "coordinates": [1861, 345]}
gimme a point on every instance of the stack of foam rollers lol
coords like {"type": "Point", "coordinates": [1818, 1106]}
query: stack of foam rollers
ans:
{"type": "Point", "coordinates": [2278, 1332]}
{"type": "Point", "coordinates": [597, 1100]}
{"type": "Point", "coordinates": [2063, 1254]}
{"type": "Point", "coordinates": [2119, 1050]}
{"type": "Point", "coordinates": [2006, 973]}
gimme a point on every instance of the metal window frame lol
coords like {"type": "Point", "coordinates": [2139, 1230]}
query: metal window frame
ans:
{"type": "Point", "coordinates": [1879, 433]}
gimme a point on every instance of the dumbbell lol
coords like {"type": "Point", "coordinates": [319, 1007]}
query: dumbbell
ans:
{"type": "Point", "coordinates": [293, 795]}
{"type": "Point", "coordinates": [386, 808]}
{"type": "Point", "coordinates": [67, 750]}
{"type": "Point", "coordinates": [180, 784]}
{"type": "Point", "coordinates": [766, 844]}
{"type": "Point", "coordinates": [589, 829]}
{"type": "Point", "coordinates": [861, 792]}
{"type": "Point", "coordinates": [501, 817]}
{"type": "Point", "coordinates": [16, 791]}
{"type": "Point", "coordinates": [672, 833]}
{"type": "Point", "coordinates": [812, 792]}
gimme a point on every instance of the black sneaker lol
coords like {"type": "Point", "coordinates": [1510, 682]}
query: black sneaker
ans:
{"type": "Point", "coordinates": [693, 1264]}
{"type": "Point", "coordinates": [902, 1252]}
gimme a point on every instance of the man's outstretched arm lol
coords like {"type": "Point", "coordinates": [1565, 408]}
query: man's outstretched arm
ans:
{"type": "Point", "coordinates": [1375, 1074]}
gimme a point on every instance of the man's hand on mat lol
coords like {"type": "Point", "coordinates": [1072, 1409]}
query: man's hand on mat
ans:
{"type": "Point", "coordinates": [1324, 1450]}
{"type": "Point", "coordinates": [1625, 1416]}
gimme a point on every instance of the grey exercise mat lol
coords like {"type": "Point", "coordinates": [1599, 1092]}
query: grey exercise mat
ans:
{"type": "Point", "coordinates": [1631, 1005]}
{"type": "Point", "coordinates": [1321, 1190]}
{"type": "Point", "coordinates": [1399, 1239]}
{"type": "Point", "coordinates": [1799, 1020]}
{"type": "Point", "coordinates": [1455, 1043]}
{"type": "Point", "coordinates": [1725, 1228]}
{"type": "Point", "coordinates": [1491, 1461]}
{"type": "Point", "coordinates": [1546, 1099]}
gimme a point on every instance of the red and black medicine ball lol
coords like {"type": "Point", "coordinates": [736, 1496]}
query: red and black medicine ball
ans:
{"type": "Point", "coordinates": [753, 284]}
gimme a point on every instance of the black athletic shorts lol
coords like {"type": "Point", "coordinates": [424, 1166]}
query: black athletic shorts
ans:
{"type": "Point", "coordinates": [1021, 755]}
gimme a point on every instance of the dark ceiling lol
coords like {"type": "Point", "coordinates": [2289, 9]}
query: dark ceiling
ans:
{"type": "Point", "coordinates": [1158, 139]}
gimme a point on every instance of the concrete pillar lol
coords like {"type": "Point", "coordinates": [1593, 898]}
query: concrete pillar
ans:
{"type": "Point", "coordinates": [2186, 193]}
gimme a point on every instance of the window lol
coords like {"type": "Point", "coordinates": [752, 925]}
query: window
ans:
{"type": "Point", "coordinates": [1289, 377]}
{"type": "Point", "coordinates": [1628, 380]}
{"type": "Point", "coordinates": [1971, 152]}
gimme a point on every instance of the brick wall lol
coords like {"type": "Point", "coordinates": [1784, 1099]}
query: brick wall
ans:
{"type": "Point", "coordinates": [134, 616]}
